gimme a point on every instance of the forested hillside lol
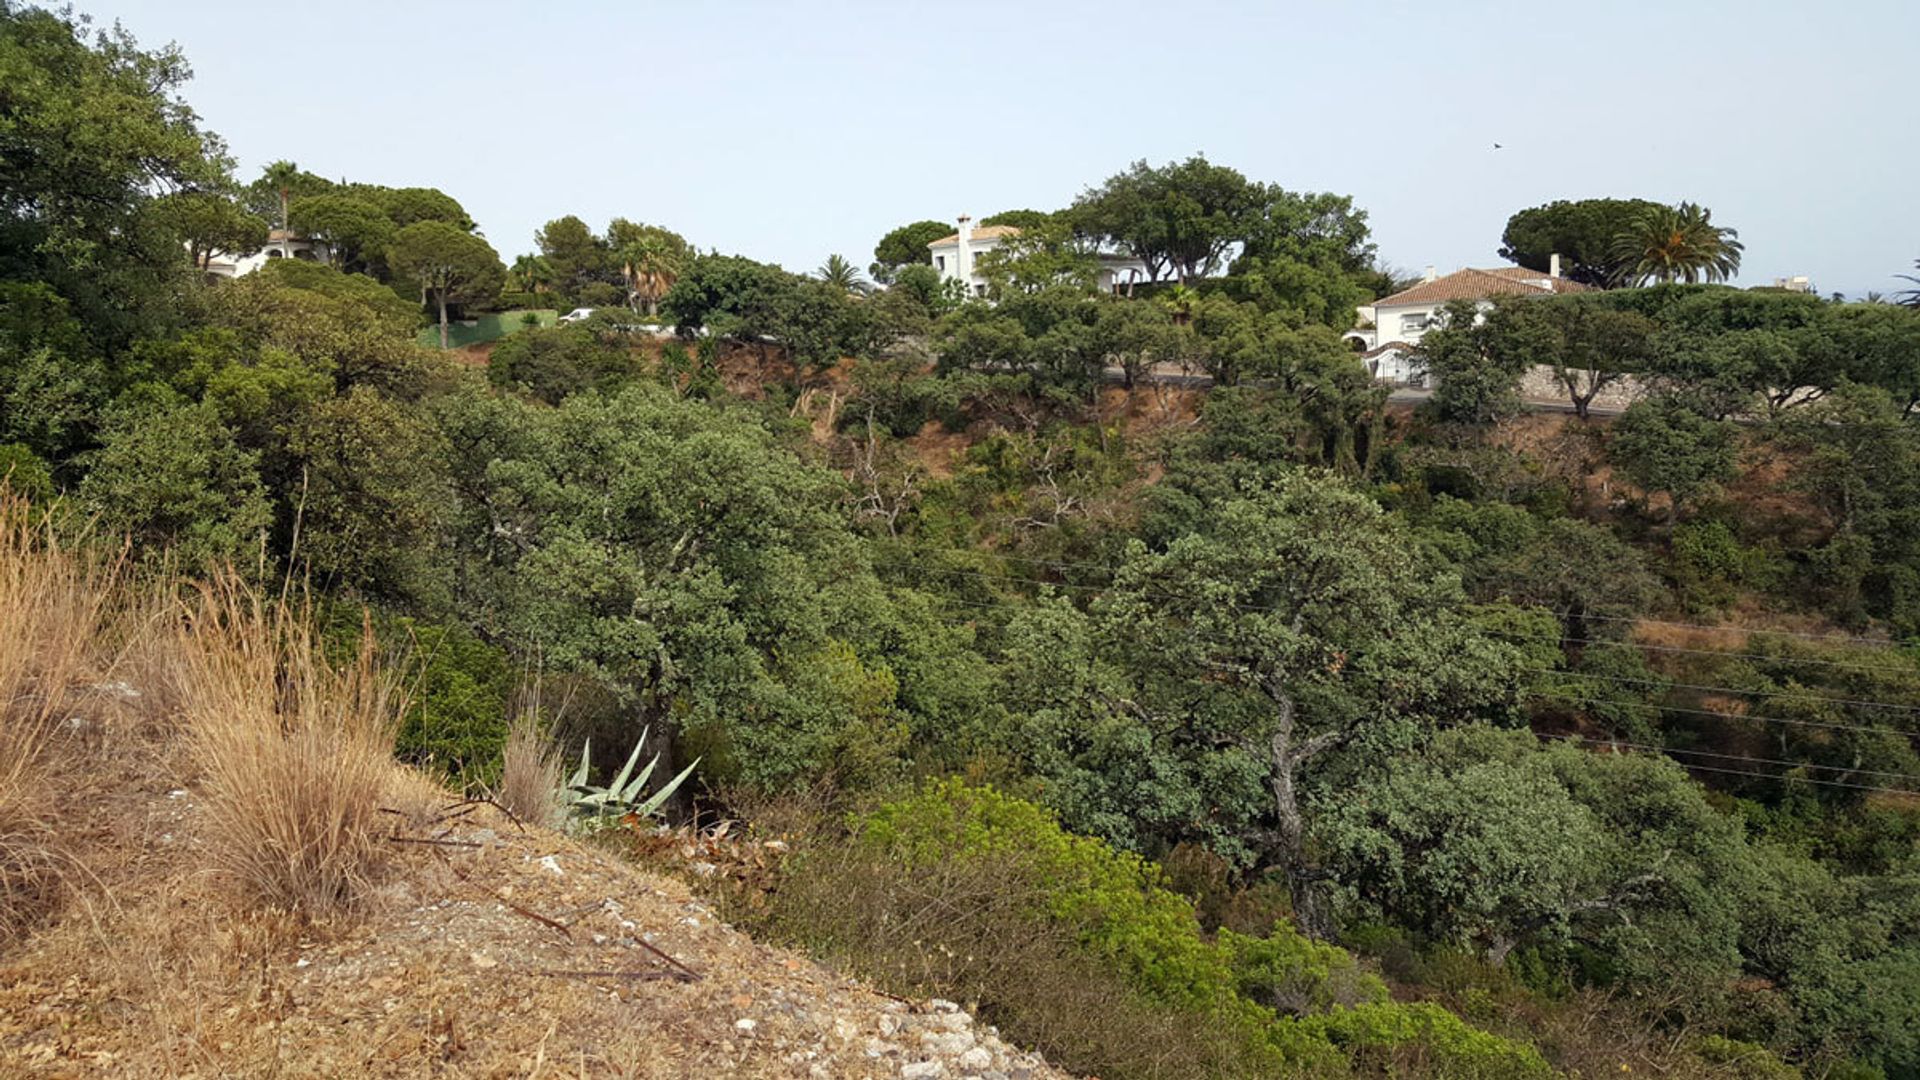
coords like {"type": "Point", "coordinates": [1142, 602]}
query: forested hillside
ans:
{"type": "Point", "coordinates": [1243, 725]}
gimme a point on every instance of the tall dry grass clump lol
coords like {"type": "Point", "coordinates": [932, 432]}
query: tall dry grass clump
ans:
{"type": "Point", "coordinates": [52, 600]}
{"type": "Point", "coordinates": [294, 754]}
{"type": "Point", "coordinates": [530, 771]}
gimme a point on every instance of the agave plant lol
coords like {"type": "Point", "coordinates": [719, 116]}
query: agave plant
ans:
{"type": "Point", "coordinates": [623, 796]}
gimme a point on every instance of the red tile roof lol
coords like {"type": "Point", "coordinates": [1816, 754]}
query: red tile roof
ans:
{"type": "Point", "coordinates": [984, 232]}
{"type": "Point", "coordinates": [1471, 284]}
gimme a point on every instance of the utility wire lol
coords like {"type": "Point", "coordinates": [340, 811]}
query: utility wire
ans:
{"type": "Point", "coordinates": [1588, 699]}
{"type": "Point", "coordinates": [1828, 639]}
{"type": "Point", "coordinates": [1655, 707]}
{"type": "Point", "coordinates": [1629, 680]}
{"type": "Point", "coordinates": [1731, 655]}
{"type": "Point", "coordinates": [1754, 775]}
{"type": "Point", "coordinates": [1736, 757]}
{"type": "Point", "coordinates": [1823, 725]}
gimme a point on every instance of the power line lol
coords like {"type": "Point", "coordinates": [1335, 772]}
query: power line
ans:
{"type": "Point", "coordinates": [1661, 683]}
{"type": "Point", "coordinates": [1736, 757]}
{"type": "Point", "coordinates": [1824, 725]}
{"type": "Point", "coordinates": [1559, 639]}
{"type": "Point", "coordinates": [1760, 776]}
{"type": "Point", "coordinates": [1705, 689]}
{"type": "Point", "coordinates": [1589, 699]}
{"type": "Point", "coordinates": [1762, 657]}
{"type": "Point", "coordinates": [1828, 639]}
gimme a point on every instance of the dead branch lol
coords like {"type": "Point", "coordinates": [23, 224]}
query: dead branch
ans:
{"type": "Point", "coordinates": [692, 975]}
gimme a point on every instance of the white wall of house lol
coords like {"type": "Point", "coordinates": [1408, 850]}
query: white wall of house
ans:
{"type": "Point", "coordinates": [959, 260]}
{"type": "Point", "coordinates": [279, 247]}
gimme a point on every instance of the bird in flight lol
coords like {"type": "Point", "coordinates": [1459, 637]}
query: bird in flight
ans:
{"type": "Point", "coordinates": [1497, 146]}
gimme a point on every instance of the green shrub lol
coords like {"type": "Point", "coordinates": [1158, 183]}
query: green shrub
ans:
{"type": "Point", "coordinates": [951, 842]}
{"type": "Point", "coordinates": [458, 689]}
{"type": "Point", "coordinates": [1112, 899]}
{"type": "Point", "coordinates": [1711, 565]}
{"type": "Point", "coordinates": [1423, 1039]}
{"type": "Point", "coordinates": [1742, 1060]}
{"type": "Point", "coordinates": [22, 471]}
{"type": "Point", "coordinates": [1295, 975]}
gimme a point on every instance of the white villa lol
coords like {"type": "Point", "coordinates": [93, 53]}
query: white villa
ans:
{"type": "Point", "coordinates": [1387, 329]}
{"type": "Point", "coordinates": [281, 244]}
{"type": "Point", "coordinates": [955, 257]}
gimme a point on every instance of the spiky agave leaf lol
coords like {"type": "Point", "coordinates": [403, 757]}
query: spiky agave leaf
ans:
{"type": "Point", "coordinates": [620, 779]}
{"type": "Point", "coordinates": [666, 791]}
{"type": "Point", "coordinates": [628, 793]}
{"type": "Point", "coordinates": [580, 775]}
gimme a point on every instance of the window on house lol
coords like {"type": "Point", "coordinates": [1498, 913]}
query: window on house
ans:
{"type": "Point", "coordinates": [940, 262]}
{"type": "Point", "coordinates": [979, 290]}
{"type": "Point", "coordinates": [1413, 324]}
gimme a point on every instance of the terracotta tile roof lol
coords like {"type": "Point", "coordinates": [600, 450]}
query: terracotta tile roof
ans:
{"type": "Point", "coordinates": [984, 232]}
{"type": "Point", "coordinates": [1471, 284]}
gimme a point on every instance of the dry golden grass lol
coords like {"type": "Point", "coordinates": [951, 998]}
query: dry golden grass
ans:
{"type": "Point", "coordinates": [530, 772]}
{"type": "Point", "coordinates": [293, 754]}
{"type": "Point", "coordinates": [205, 790]}
{"type": "Point", "coordinates": [51, 605]}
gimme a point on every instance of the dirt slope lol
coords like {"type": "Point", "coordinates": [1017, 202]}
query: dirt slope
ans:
{"type": "Point", "coordinates": [492, 951]}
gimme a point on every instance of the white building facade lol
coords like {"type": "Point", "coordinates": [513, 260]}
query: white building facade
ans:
{"type": "Point", "coordinates": [1387, 330]}
{"type": "Point", "coordinates": [957, 258]}
{"type": "Point", "coordinates": [281, 244]}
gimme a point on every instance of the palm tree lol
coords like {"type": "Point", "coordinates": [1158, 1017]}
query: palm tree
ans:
{"type": "Point", "coordinates": [843, 275]}
{"type": "Point", "coordinates": [1676, 243]}
{"type": "Point", "coordinates": [1180, 301]}
{"type": "Point", "coordinates": [1909, 297]}
{"type": "Point", "coordinates": [532, 273]}
{"type": "Point", "coordinates": [280, 177]}
{"type": "Point", "coordinates": [650, 266]}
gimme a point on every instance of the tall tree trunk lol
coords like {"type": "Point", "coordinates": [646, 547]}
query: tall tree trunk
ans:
{"type": "Point", "coordinates": [1310, 911]}
{"type": "Point", "coordinates": [441, 295]}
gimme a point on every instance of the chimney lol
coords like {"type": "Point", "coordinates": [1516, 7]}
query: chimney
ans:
{"type": "Point", "coordinates": [963, 258]}
{"type": "Point", "coordinates": [1431, 275]}
{"type": "Point", "coordinates": [1553, 265]}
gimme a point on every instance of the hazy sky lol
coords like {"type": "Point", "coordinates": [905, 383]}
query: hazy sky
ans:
{"type": "Point", "coordinates": [786, 131]}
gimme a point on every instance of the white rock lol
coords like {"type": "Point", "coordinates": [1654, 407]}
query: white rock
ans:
{"type": "Point", "coordinates": [942, 1005]}
{"type": "Point", "coordinates": [889, 1024]}
{"type": "Point", "coordinates": [744, 1024]}
{"type": "Point", "coordinates": [552, 864]}
{"type": "Point", "coordinates": [954, 1021]}
{"type": "Point", "coordinates": [923, 1070]}
{"type": "Point", "coordinates": [947, 1043]}
{"type": "Point", "coordinates": [976, 1060]}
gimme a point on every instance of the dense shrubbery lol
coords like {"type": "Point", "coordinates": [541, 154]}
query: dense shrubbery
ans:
{"type": "Point", "coordinates": [947, 891]}
{"type": "Point", "coordinates": [1281, 636]}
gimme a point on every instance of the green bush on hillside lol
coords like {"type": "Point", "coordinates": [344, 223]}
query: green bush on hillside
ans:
{"type": "Point", "coordinates": [1114, 907]}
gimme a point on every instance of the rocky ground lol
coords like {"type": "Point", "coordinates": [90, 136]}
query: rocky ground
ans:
{"type": "Point", "coordinates": [493, 950]}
